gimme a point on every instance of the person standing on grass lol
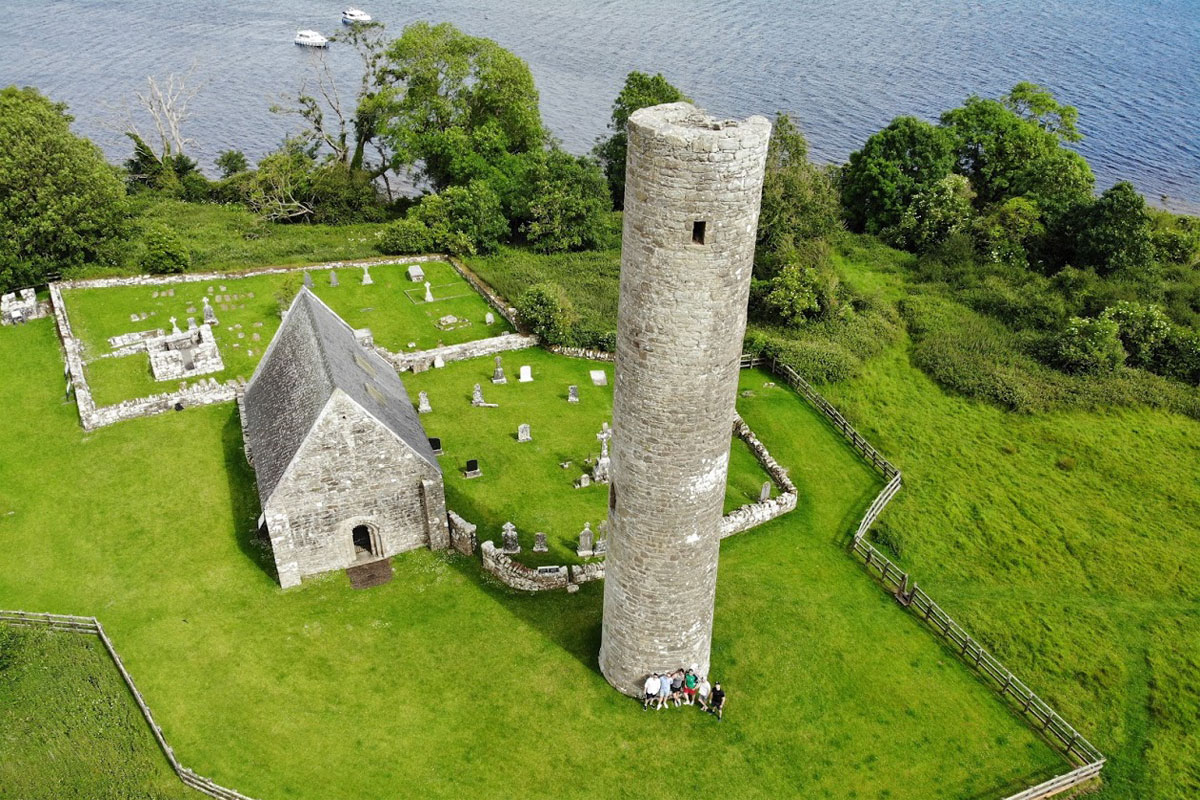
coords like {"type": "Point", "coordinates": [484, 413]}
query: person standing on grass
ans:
{"type": "Point", "coordinates": [718, 701]}
{"type": "Point", "coordinates": [664, 691]}
{"type": "Point", "coordinates": [703, 690]}
{"type": "Point", "coordinates": [689, 687]}
{"type": "Point", "coordinates": [677, 687]}
{"type": "Point", "coordinates": [651, 687]}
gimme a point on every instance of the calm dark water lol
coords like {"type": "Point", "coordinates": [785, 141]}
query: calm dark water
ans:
{"type": "Point", "coordinates": [844, 68]}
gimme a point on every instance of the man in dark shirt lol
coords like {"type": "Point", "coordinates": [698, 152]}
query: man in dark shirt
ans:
{"type": "Point", "coordinates": [717, 703]}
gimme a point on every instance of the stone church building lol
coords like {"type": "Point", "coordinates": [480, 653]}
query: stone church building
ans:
{"type": "Point", "coordinates": [345, 471]}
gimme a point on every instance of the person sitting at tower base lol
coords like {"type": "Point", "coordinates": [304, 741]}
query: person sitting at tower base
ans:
{"type": "Point", "coordinates": [651, 691]}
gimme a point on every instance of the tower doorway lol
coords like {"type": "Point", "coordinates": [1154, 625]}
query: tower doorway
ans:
{"type": "Point", "coordinates": [363, 547]}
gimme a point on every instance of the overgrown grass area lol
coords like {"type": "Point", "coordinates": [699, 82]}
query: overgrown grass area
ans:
{"type": "Point", "coordinates": [248, 311]}
{"type": "Point", "coordinates": [523, 482]}
{"type": "Point", "coordinates": [69, 728]}
{"type": "Point", "coordinates": [444, 684]}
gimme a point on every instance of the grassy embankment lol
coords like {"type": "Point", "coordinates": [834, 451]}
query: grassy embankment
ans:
{"type": "Point", "coordinates": [1066, 541]}
{"type": "Point", "coordinates": [442, 683]}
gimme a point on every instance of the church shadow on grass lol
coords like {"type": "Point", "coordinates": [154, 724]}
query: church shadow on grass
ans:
{"type": "Point", "coordinates": [243, 496]}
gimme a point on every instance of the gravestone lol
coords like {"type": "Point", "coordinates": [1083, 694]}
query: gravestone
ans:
{"type": "Point", "coordinates": [438, 362]}
{"type": "Point", "coordinates": [498, 373]}
{"type": "Point", "coordinates": [765, 494]}
{"type": "Point", "coordinates": [602, 472]}
{"type": "Point", "coordinates": [134, 318]}
{"type": "Point", "coordinates": [572, 394]}
{"type": "Point", "coordinates": [601, 547]}
{"type": "Point", "coordinates": [583, 481]}
{"type": "Point", "coordinates": [472, 470]}
{"type": "Point", "coordinates": [210, 315]}
{"type": "Point", "coordinates": [539, 543]}
{"type": "Point", "coordinates": [489, 318]}
{"type": "Point", "coordinates": [523, 433]}
{"type": "Point", "coordinates": [423, 406]}
{"type": "Point", "coordinates": [191, 323]}
{"type": "Point", "coordinates": [308, 281]}
{"type": "Point", "coordinates": [366, 279]}
{"type": "Point", "coordinates": [416, 274]}
{"type": "Point", "coordinates": [526, 374]}
{"type": "Point", "coordinates": [477, 395]}
{"type": "Point", "coordinates": [175, 326]}
{"type": "Point", "coordinates": [436, 444]}
{"type": "Point", "coordinates": [586, 537]}
{"type": "Point", "coordinates": [333, 281]}
{"type": "Point", "coordinates": [510, 545]}
{"type": "Point", "coordinates": [599, 377]}
{"type": "Point", "coordinates": [428, 292]}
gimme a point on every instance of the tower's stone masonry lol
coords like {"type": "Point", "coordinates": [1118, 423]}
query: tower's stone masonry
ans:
{"type": "Point", "coordinates": [693, 188]}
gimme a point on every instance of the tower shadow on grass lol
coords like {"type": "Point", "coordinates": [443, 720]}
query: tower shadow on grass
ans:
{"type": "Point", "coordinates": [243, 496]}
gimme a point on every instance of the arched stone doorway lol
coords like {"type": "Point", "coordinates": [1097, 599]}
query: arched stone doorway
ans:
{"type": "Point", "coordinates": [363, 546]}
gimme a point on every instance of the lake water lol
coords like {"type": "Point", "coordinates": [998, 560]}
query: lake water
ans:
{"type": "Point", "coordinates": [843, 68]}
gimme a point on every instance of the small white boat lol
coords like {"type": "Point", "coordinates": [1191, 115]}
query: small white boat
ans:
{"type": "Point", "coordinates": [311, 39]}
{"type": "Point", "coordinates": [352, 15]}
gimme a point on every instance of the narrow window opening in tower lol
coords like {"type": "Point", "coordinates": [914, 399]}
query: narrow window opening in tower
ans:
{"type": "Point", "coordinates": [612, 497]}
{"type": "Point", "coordinates": [698, 231]}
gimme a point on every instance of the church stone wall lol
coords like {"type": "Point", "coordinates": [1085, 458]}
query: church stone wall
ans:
{"type": "Point", "coordinates": [693, 187]}
{"type": "Point", "coordinates": [352, 471]}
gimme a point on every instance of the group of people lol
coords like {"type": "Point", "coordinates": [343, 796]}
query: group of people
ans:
{"type": "Point", "coordinates": [684, 687]}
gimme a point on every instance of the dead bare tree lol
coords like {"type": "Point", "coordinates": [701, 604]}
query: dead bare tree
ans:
{"type": "Point", "coordinates": [167, 104]}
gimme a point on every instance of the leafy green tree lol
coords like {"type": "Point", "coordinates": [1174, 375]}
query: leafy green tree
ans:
{"type": "Point", "coordinates": [546, 311]}
{"type": "Point", "coordinates": [60, 204]}
{"type": "Point", "coordinates": [793, 294]}
{"type": "Point", "coordinates": [1115, 236]}
{"type": "Point", "coordinates": [640, 91]}
{"type": "Point", "coordinates": [1178, 355]}
{"type": "Point", "coordinates": [231, 162]}
{"type": "Point", "coordinates": [1006, 231]}
{"type": "Point", "coordinates": [799, 199]}
{"type": "Point", "coordinates": [165, 253]}
{"type": "Point", "coordinates": [893, 166]}
{"type": "Point", "coordinates": [1091, 346]}
{"type": "Point", "coordinates": [568, 203]}
{"type": "Point", "coordinates": [463, 220]}
{"type": "Point", "coordinates": [457, 103]}
{"type": "Point", "coordinates": [933, 214]}
{"type": "Point", "coordinates": [291, 185]}
{"type": "Point", "coordinates": [1038, 105]}
{"type": "Point", "coordinates": [1142, 328]}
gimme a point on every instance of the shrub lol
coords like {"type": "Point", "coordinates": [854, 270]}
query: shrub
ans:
{"type": "Point", "coordinates": [934, 213]}
{"type": "Point", "coordinates": [231, 162]}
{"type": "Point", "coordinates": [165, 254]}
{"type": "Point", "coordinates": [1091, 346]}
{"type": "Point", "coordinates": [1178, 356]}
{"type": "Point", "coordinates": [1142, 329]}
{"type": "Point", "coordinates": [405, 237]}
{"type": "Point", "coordinates": [545, 310]}
{"type": "Point", "coordinates": [463, 220]}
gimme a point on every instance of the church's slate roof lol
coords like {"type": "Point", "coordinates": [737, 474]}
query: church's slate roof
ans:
{"type": "Point", "coordinates": [314, 353]}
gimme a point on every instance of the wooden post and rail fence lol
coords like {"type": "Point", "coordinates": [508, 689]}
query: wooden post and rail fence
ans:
{"type": "Point", "coordinates": [1086, 759]}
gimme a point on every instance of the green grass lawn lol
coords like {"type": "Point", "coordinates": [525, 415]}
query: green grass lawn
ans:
{"type": "Point", "coordinates": [69, 728]}
{"type": "Point", "coordinates": [443, 683]}
{"type": "Point", "coordinates": [522, 482]}
{"type": "Point", "coordinates": [392, 307]}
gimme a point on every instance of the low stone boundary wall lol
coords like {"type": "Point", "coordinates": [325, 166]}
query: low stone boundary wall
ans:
{"type": "Point", "coordinates": [519, 576]}
{"type": "Point", "coordinates": [424, 359]}
{"type": "Point", "coordinates": [752, 515]}
{"type": "Point", "coordinates": [582, 573]}
{"type": "Point", "coordinates": [489, 294]}
{"type": "Point", "coordinates": [90, 625]}
{"type": "Point", "coordinates": [462, 534]}
{"type": "Point", "coordinates": [581, 352]}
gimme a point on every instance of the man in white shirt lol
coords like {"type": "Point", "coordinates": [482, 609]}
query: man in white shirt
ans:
{"type": "Point", "coordinates": [652, 686]}
{"type": "Point", "coordinates": [703, 691]}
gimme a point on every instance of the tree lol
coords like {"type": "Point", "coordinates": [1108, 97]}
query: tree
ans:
{"type": "Point", "coordinates": [933, 214]}
{"type": "Point", "coordinates": [165, 254]}
{"type": "Point", "coordinates": [231, 162]}
{"type": "Point", "coordinates": [60, 203]}
{"type": "Point", "coordinates": [1142, 328]}
{"type": "Point", "coordinates": [404, 237]}
{"type": "Point", "coordinates": [546, 311]}
{"type": "Point", "coordinates": [640, 91]}
{"type": "Point", "coordinates": [463, 220]}
{"type": "Point", "coordinates": [1115, 235]}
{"type": "Point", "coordinates": [799, 199]}
{"type": "Point", "coordinates": [567, 204]}
{"type": "Point", "coordinates": [1037, 105]}
{"type": "Point", "coordinates": [291, 185]}
{"type": "Point", "coordinates": [1091, 345]}
{"type": "Point", "coordinates": [455, 104]}
{"type": "Point", "coordinates": [1006, 231]}
{"type": "Point", "coordinates": [892, 167]}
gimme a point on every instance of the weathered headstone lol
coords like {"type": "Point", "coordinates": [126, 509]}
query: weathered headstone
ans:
{"type": "Point", "coordinates": [210, 315]}
{"type": "Point", "coordinates": [583, 481]}
{"type": "Point", "coordinates": [572, 394]}
{"type": "Point", "coordinates": [477, 395]}
{"type": "Point", "coordinates": [586, 537]}
{"type": "Point", "coordinates": [436, 445]}
{"type": "Point", "coordinates": [765, 494]}
{"type": "Point", "coordinates": [472, 470]}
{"type": "Point", "coordinates": [599, 377]}
{"type": "Point", "coordinates": [539, 543]}
{"type": "Point", "coordinates": [489, 318]}
{"type": "Point", "coordinates": [333, 281]}
{"type": "Point", "coordinates": [438, 362]}
{"type": "Point", "coordinates": [510, 544]}
{"type": "Point", "coordinates": [134, 318]}
{"type": "Point", "coordinates": [428, 292]}
{"type": "Point", "coordinates": [308, 282]}
{"type": "Point", "coordinates": [526, 374]}
{"type": "Point", "coordinates": [366, 279]}
{"type": "Point", "coordinates": [423, 406]}
{"type": "Point", "coordinates": [175, 326]}
{"type": "Point", "coordinates": [601, 547]}
{"type": "Point", "coordinates": [416, 274]}
{"type": "Point", "coordinates": [523, 433]}
{"type": "Point", "coordinates": [191, 323]}
{"type": "Point", "coordinates": [498, 373]}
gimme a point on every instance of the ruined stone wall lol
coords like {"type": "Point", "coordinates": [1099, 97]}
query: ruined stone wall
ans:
{"type": "Point", "coordinates": [424, 359]}
{"type": "Point", "coordinates": [462, 534]}
{"type": "Point", "coordinates": [519, 576]}
{"type": "Point", "coordinates": [693, 187]}
{"type": "Point", "coordinates": [351, 471]}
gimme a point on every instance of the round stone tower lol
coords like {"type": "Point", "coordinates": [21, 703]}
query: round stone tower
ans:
{"type": "Point", "coordinates": [693, 186]}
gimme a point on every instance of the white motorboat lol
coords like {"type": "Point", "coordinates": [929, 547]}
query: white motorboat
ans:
{"type": "Point", "coordinates": [352, 15]}
{"type": "Point", "coordinates": [311, 39]}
